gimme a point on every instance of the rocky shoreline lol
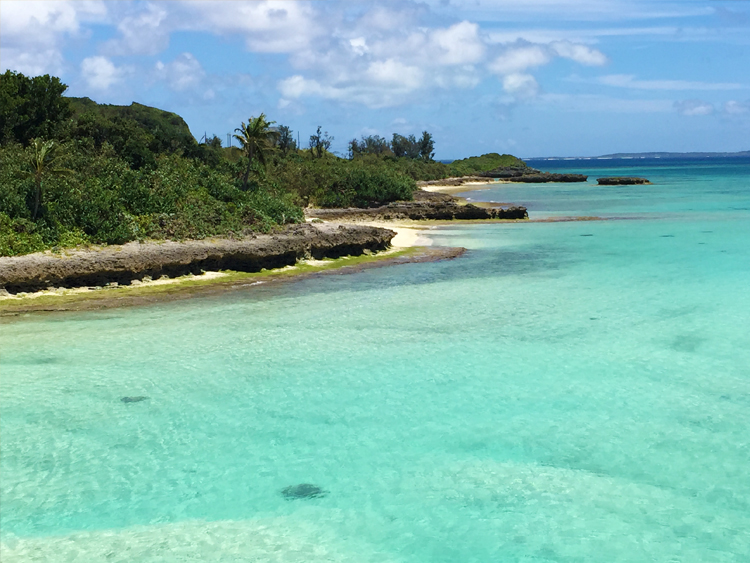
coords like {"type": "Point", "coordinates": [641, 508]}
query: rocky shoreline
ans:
{"type": "Point", "coordinates": [426, 206]}
{"type": "Point", "coordinates": [510, 175]}
{"type": "Point", "coordinates": [134, 262]}
{"type": "Point", "coordinates": [137, 261]}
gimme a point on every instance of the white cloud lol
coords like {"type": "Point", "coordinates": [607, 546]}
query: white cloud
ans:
{"type": "Point", "coordinates": [100, 73]}
{"type": "Point", "coordinates": [141, 33]}
{"type": "Point", "coordinates": [579, 53]}
{"type": "Point", "coordinates": [33, 33]}
{"type": "Point", "coordinates": [521, 86]}
{"type": "Point", "coordinates": [630, 81]}
{"type": "Point", "coordinates": [395, 74]}
{"type": "Point", "coordinates": [733, 107]}
{"type": "Point", "coordinates": [280, 26]}
{"type": "Point", "coordinates": [515, 62]}
{"type": "Point", "coordinates": [694, 107]}
{"type": "Point", "coordinates": [459, 44]}
{"type": "Point", "coordinates": [183, 73]}
{"type": "Point", "coordinates": [519, 59]}
{"type": "Point", "coordinates": [359, 45]}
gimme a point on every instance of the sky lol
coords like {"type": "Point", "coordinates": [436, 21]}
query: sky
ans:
{"type": "Point", "coordinates": [527, 77]}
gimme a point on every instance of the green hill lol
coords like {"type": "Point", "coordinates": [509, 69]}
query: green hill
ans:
{"type": "Point", "coordinates": [137, 132]}
{"type": "Point", "coordinates": [485, 163]}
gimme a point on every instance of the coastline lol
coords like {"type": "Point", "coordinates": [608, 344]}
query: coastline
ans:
{"type": "Point", "coordinates": [406, 240]}
{"type": "Point", "coordinates": [408, 245]}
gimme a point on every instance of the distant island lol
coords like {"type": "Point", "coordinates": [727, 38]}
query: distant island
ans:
{"type": "Point", "coordinates": [742, 154]}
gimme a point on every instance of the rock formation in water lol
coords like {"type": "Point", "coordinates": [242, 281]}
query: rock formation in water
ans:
{"type": "Point", "coordinates": [622, 181]}
{"type": "Point", "coordinates": [135, 261]}
{"type": "Point", "coordinates": [426, 206]}
{"type": "Point", "coordinates": [303, 490]}
{"type": "Point", "coordinates": [531, 175]}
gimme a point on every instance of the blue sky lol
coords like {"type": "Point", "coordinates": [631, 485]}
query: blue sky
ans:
{"type": "Point", "coordinates": [528, 77]}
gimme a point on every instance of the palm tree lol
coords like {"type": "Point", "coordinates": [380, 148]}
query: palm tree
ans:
{"type": "Point", "coordinates": [41, 164]}
{"type": "Point", "coordinates": [256, 138]}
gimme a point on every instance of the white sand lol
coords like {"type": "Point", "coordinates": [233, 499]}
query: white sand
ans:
{"type": "Point", "coordinates": [406, 235]}
{"type": "Point", "coordinates": [457, 189]}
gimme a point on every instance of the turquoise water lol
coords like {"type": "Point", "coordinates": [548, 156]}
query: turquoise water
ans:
{"type": "Point", "coordinates": [564, 392]}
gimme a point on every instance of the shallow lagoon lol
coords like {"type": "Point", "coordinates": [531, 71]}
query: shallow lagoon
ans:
{"type": "Point", "coordinates": [562, 392]}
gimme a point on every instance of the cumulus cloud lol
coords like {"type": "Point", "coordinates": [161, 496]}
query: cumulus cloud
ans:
{"type": "Point", "coordinates": [519, 59]}
{"type": "Point", "coordinates": [520, 86]}
{"type": "Point", "coordinates": [516, 60]}
{"type": "Point", "coordinates": [100, 73]}
{"type": "Point", "coordinates": [459, 44]}
{"type": "Point", "coordinates": [386, 65]}
{"type": "Point", "coordinates": [280, 26]}
{"type": "Point", "coordinates": [395, 73]}
{"type": "Point", "coordinates": [694, 107]}
{"type": "Point", "coordinates": [733, 107]}
{"type": "Point", "coordinates": [183, 73]}
{"type": "Point", "coordinates": [145, 32]}
{"type": "Point", "coordinates": [34, 33]}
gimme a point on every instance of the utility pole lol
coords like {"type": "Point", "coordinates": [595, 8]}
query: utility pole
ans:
{"type": "Point", "coordinates": [229, 139]}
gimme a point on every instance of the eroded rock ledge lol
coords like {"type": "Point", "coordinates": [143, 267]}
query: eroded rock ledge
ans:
{"type": "Point", "coordinates": [134, 261]}
{"type": "Point", "coordinates": [426, 206]}
{"type": "Point", "coordinates": [522, 175]}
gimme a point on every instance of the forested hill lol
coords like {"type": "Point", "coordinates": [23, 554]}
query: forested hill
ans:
{"type": "Point", "coordinates": [137, 132]}
{"type": "Point", "coordinates": [76, 172]}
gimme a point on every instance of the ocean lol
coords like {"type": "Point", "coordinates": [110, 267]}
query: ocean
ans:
{"type": "Point", "coordinates": [565, 391]}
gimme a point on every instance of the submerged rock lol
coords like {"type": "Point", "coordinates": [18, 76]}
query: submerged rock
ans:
{"type": "Point", "coordinates": [622, 181]}
{"type": "Point", "coordinates": [135, 399]}
{"type": "Point", "coordinates": [303, 490]}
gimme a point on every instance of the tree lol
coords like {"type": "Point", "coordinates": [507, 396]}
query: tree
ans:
{"type": "Point", "coordinates": [320, 142]}
{"type": "Point", "coordinates": [286, 140]}
{"type": "Point", "coordinates": [31, 107]}
{"type": "Point", "coordinates": [43, 162]}
{"type": "Point", "coordinates": [255, 138]}
{"type": "Point", "coordinates": [426, 147]}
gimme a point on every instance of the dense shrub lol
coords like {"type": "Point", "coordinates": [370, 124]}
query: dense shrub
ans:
{"type": "Point", "coordinates": [18, 236]}
{"type": "Point", "coordinates": [104, 200]}
{"type": "Point", "coordinates": [484, 163]}
{"type": "Point", "coordinates": [334, 182]}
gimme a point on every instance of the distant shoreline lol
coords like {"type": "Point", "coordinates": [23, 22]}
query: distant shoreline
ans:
{"type": "Point", "coordinates": [647, 155]}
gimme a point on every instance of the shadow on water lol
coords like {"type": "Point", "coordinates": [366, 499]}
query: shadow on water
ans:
{"type": "Point", "coordinates": [29, 360]}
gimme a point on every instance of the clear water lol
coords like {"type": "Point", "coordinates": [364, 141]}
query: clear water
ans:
{"type": "Point", "coordinates": [564, 392]}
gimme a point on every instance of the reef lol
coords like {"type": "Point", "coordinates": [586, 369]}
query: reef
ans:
{"type": "Point", "coordinates": [531, 175]}
{"type": "Point", "coordinates": [622, 181]}
{"type": "Point", "coordinates": [302, 491]}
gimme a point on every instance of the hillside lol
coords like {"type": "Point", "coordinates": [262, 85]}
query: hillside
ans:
{"type": "Point", "coordinates": [478, 164]}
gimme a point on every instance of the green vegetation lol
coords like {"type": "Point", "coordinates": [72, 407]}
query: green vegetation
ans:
{"type": "Point", "coordinates": [484, 163]}
{"type": "Point", "coordinates": [256, 140]}
{"type": "Point", "coordinates": [76, 172]}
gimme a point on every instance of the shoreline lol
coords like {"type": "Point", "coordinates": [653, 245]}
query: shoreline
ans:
{"type": "Point", "coordinates": [185, 287]}
{"type": "Point", "coordinates": [407, 241]}
{"type": "Point", "coordinates": [408, 244]}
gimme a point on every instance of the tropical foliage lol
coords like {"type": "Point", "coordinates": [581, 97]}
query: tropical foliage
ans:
{"type": "Point", "coordinates": [484, 163]}
{"type": "Point", "coordinates": [256, 140]}
{"type": "Point", "coordinates": [76, 172]}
